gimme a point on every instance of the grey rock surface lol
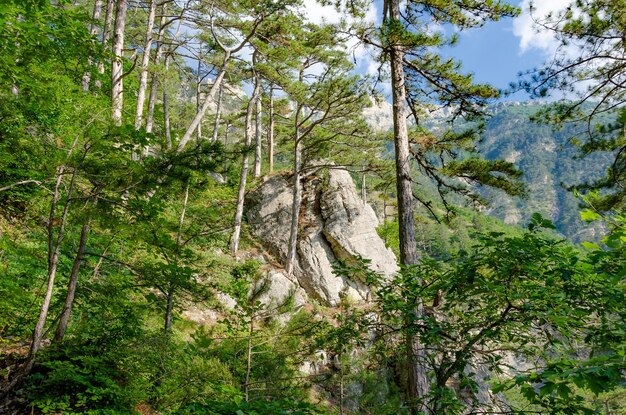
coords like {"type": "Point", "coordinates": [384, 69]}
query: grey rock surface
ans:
{"type": "Point", "coordinates": [334, 225]}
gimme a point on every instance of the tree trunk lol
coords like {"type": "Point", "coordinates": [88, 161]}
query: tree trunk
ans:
{"type": "Point", "coordinates": [169, 308]}
{"type": "Point", "coordinates": [418, 385]}
{"type": "Point", "coordinates": [218, 113]}
{"type": "Point", "coordinates": [155, 77]}
{"type": "Point", "coordinates": [198, 100]}
{"type": "Point", "coordinates": [249, 359]}
{"type": "Point", "coordinates": [54, 248]}
{"type": "Point", "coordinates": [257, 135]}
{"type": "Point", "coordinates": [205, 106]}
{"type": "Point", "coordinates": [93, 31]}
{"type": "Point", "coordinates": [363, 189]}
{"type": "Point", "coordinates": [406, 222]}
{"type": "Point", "coordinates": [108, 19]}
{"type": "Point", "coordinates": [270, 132]}
{"type": "Point", "coordinates": [117, 70]}
{"type": "Point", "coordinates": [297, 197]}
{"type": "Point", "coordinates": [234, 245]}
{"type": "Point", "coordinates": [145, 60]}
{"type": "Point", "coordinates": [166, 108]}
{"type": "Point", "coordinates": [71, 286]}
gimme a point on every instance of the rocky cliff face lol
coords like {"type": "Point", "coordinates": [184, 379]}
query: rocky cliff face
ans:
{"type": "Point", "coordinates": [334, 225]}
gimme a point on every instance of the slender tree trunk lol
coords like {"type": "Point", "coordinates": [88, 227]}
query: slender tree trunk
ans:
{"type": "Point", "coordinates": [155, 76]}
{"type": "Point", "coordinates": [166, 107]}
{"type": "Point", "coordinates": [205, 106]}
{"type": "Point", "coordinates": [117, 70]}
{"type": "Point", "coordinates": [145, 60]}
{"type": "Point", "coordinates": [406, 222]}
{"type": "Point", "coordinates": [270, 132]}
{"type": "Point", "coordinates": [54, 248]}
{"type": "Point", "coordinates": [234, 246]}
{"type": "Point", "coordinates": [249, 359]}
{"type": "Point", "coordinates": [297, 197]}
{"type": "Point", "coordinates": [226, 130]}
{"type": "Point", "coordinates": [108, 20]}
{"type": "Point", "coordinates": [198, 94]}
{"type": "Point", "coordinates": [363, 189]}
{"type": "Point", "coordinates": [257, 134]}
{"type": "Point", "coordinates": [97, 10]}
{"type": "Point", "coordinates": [218, 113]}
{"type": "Point", "coordinates": [417, 379]}
{"type": "Point", "coordinates": [169, 307]}
{"type": "Point", "coordinates": [73, 282]}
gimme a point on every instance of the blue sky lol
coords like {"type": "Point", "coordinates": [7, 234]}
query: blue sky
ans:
{"type": "Point", "coordinates": [495, 53]}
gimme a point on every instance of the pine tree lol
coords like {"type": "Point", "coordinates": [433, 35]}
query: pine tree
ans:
{"type": "Point", "coordinates": [589, 68]}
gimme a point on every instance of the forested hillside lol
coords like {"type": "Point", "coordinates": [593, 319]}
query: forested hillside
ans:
{"type": "Point", "coordinates": [198, 216]}
{"type": "Point", "coordinates": [550, 162]}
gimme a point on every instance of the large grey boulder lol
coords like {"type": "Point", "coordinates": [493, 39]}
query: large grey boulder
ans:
{"type": "Point", "coordinates": [334, 224]}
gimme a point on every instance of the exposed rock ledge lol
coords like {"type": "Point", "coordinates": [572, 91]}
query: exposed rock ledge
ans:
{"type": "Point", "coordinates": [334, 224]}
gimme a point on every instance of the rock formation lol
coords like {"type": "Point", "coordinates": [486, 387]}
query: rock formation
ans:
{"type": "Point", "coordinates": [334, 225]}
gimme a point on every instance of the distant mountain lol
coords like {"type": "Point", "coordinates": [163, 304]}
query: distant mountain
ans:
{"type": "Point", "coordinates": [549, 162]}
{"type": "Point", "coordinates": [546, 157]}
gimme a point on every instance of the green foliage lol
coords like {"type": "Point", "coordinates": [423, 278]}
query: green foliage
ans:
{"type": "Point", "coordinates": [592, 77]}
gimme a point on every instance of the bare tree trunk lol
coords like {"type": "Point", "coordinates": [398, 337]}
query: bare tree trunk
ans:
{"type": "Point", "coordinates": [417, 379]}
{"type": "Point", "coordinates": [257, 134]}
{"type": "Point", "coordinates": [218, 113]}
{"type": "Point", "coordinates": [97, 10]}
{"type": "Point", "coordinates": [71, 286]}
{"type": "Point", "coordinates": [198, 94]}
{"type": "Point", "coordinates": [166, 107]}
{"type": "Point", "coordinates": [406, 221]}
{"type": "Point", "coordinates": [108, 19]}
{"type": "Point", "coordinates": [117, 86]}
{"type": "Point", "coordinates": [363, 189]}
{"type": "Point", "coordinates": [249, 359]}
{"type": "Point", "coordinates": [54, 248]}
{"type": "Point", "coordinates": [270, 132]}
{"type": "Point", "coordinates": [155, 77]}
{"type": "Point", "coordinates": [205, 106]}
{"type": "Point", "coordinates": [295, 209]}
{"type": "Point", "coordinates": [226, 130]}
{"type": "Point", "coordinates": [234, 245]}
{"type": "Point", "coordinates": [297, 197]}
{"type": "Point", "coordinates": [145, 60]}
{"type": "Point", "coordinates": [169, 308]}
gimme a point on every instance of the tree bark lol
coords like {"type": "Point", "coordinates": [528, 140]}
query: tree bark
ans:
{"type": "Point", "coordinates": [363, 188]}
{"type": "Point", "coordinates": [249, 359]}
{"type": "Point", "coordinates": [155, 77]}
{"type": "Point", "coordinates": [218, 113]}
{"type": "Point", "coordinates": [198, 100]}
{"type": "Point", "coordinates": [169, 307]}
{"type": "Point", "coordinates": [145, 60]}
{"type": "Point", "coordinates": [417, 379]}
{"type": "Point", "coordinates": [297, 197]}
{"type": "Point", "coordinates": [54, 248]}
{"type": "Point", "coordinates": [108, 19]}
{"type": "Point", "coordinates": [73, 282]}
{"type": "Point", "coordinates": [258, 155]}
{"type": "Point", "coordinates": [93, 31]}
{"type": "Point", "coordinates": [117, 69]}
{"type": "Point", "coordinates": [270, 132]}
{"type": "Point", "coordinates": [406, 221]}
{"type": "Point", "coordinates": [234, 245]}
{"type": "Point", "coordinates": [205, 106]}
{"type": "Point", "coordinates": [166, 108]}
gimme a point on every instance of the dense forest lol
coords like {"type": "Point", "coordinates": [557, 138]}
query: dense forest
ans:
{"type": "Point", "coordinates": [205, 208]}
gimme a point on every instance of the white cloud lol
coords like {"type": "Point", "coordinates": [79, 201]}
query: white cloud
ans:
{"type": "Point", "coordinates": [530, 34]}
{"type": "Point", "coordinates": [318, 14]}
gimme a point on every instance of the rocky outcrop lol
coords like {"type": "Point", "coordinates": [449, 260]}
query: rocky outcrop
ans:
{"type": "Point", "coordinates": [334, 225]}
